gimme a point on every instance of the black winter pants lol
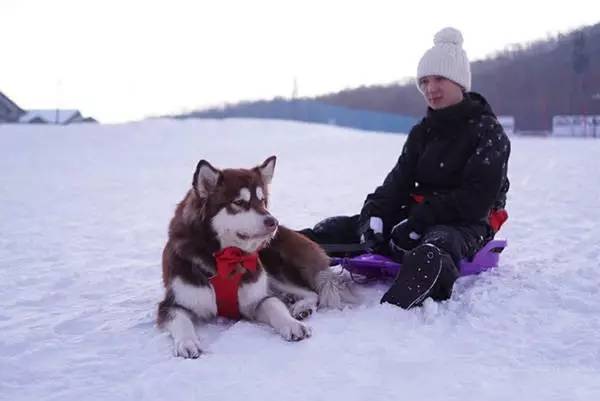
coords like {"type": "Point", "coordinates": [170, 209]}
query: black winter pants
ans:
{"type": "Point", "coordinates": [454, 241]}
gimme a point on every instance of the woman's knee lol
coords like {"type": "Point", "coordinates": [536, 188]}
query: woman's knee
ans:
{"type": "Point", "coordinates": [447, 239]}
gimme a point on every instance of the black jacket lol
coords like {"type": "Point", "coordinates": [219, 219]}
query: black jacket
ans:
{"type": "Point", "coordinates": [457, 157]}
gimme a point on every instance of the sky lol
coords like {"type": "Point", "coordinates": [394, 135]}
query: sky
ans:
{"type": "Point", "coordinates": [121, 60]}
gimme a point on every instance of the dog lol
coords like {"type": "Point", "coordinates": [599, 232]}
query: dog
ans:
{"type": "Point", "coordinates": [222, 233]}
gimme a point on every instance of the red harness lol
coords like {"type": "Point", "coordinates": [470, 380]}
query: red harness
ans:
{"type": "Point", "coordinates": [496, 218]}
{"type": "Point", "coordinates": [231, 264]}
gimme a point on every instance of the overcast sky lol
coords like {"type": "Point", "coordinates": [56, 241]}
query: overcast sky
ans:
{"type": "Point", "coordinates": [118, 60]}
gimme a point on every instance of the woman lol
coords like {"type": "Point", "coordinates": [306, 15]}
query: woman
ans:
{"type": "Point", "coordinates": [445, 196]}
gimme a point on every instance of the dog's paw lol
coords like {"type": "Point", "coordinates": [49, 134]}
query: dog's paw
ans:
{"type": "Point", "coordinates": [295, 330]}
{"type": "Point", "coordinates": [188, 348]}
{"type": "Point", "coordinates": [303, 308]}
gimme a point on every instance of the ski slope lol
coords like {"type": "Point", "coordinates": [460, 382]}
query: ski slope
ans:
{"type": "Point", "coordinates": [84, 211]}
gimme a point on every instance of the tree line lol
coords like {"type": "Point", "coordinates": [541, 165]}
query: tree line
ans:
{"type": "Point", "coordinates": [531, 82]}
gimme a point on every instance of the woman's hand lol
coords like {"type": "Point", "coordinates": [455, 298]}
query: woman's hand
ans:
{"type": "Point", "coordinates": [372, 236]}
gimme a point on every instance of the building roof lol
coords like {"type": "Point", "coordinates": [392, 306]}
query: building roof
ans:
{"type": "Point", "coordinates": [9, 111]}
{"type": "Point", "coordinates": [52, 116]}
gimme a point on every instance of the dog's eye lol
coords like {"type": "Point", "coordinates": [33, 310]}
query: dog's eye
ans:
{"type": "Point", "coordinates": [239, 202]}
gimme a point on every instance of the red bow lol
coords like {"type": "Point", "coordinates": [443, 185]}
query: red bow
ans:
{"type": "Point", "coordinates": [231, 264]}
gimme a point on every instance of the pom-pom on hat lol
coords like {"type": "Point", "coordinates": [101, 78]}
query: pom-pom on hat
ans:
{"type": "Point", "coordinates": [447, 59]}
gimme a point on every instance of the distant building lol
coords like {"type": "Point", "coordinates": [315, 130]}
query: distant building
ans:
{"type": "Point", "coordinates": [576, 126]}
{"type": "Point", "coordinates": [55, 116]}
{"type": "Point", "coordinates": [9, 111]}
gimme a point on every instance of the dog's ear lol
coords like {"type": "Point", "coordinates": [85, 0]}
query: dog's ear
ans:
{"type": "Point", "coordinates": [267, 168]}
{"type": "Point", "coordinates": [206, 178]}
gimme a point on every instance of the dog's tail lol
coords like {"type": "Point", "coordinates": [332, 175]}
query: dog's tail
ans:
{"type": "Point", "coordinates": [334, 290]}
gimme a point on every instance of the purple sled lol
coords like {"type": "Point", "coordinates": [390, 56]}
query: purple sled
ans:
{"type": "Point", "coordinates": [373, 266]}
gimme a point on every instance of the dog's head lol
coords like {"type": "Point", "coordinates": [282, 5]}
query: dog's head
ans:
{"type": "Point", "coordinates": [235, 203]}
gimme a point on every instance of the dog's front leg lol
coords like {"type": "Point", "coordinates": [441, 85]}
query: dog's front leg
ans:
{"type": "Point", "coordinates": [183, 305]}
{"type": "Point", "coordinates": [179, 324]}
{"type": "Point", "coordinates": [256, 304]}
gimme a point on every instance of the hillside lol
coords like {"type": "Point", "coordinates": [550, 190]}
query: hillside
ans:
{"type": "Point", "coordinates": [533, 82]}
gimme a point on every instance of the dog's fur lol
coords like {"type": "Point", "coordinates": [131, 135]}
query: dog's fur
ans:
{"type": "Point", "coordinates": [228, 208]}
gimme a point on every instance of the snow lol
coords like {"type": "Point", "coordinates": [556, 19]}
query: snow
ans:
{"type": "Point", "coordinates": [83, 218]}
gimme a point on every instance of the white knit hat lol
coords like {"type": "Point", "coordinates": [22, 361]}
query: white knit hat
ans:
{"type": "Point", "coordinates": [446, 59]}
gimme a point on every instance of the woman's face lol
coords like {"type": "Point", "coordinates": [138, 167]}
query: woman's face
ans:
{"type": "Point", "coordinates": [440, 92]}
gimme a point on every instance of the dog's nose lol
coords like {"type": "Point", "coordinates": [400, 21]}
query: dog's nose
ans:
{"type": "Point", "coordinates": [271, 222]}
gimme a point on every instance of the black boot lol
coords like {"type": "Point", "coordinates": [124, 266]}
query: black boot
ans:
{"type": "Point", "coordinates": [335, 230]}
{"type": "Point", "coordinates": [426, 271]}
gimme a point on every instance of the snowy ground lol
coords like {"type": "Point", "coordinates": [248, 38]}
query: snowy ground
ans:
{"type": "Point", "coordinates": [83, 218]}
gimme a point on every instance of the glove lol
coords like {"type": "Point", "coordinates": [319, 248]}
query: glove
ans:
{"type": "Point", "coordinates": [372, 236]}
{"type": "Point", "coordinates": [406, 234]}
{"type": "Point", "coordinates": [421, 218]}
{"type": "Point", "coordinates": [403, 237]}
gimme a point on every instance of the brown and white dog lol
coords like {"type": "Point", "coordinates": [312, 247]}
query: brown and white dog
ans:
{"type": "Point", "coordinates": [228, 208]}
